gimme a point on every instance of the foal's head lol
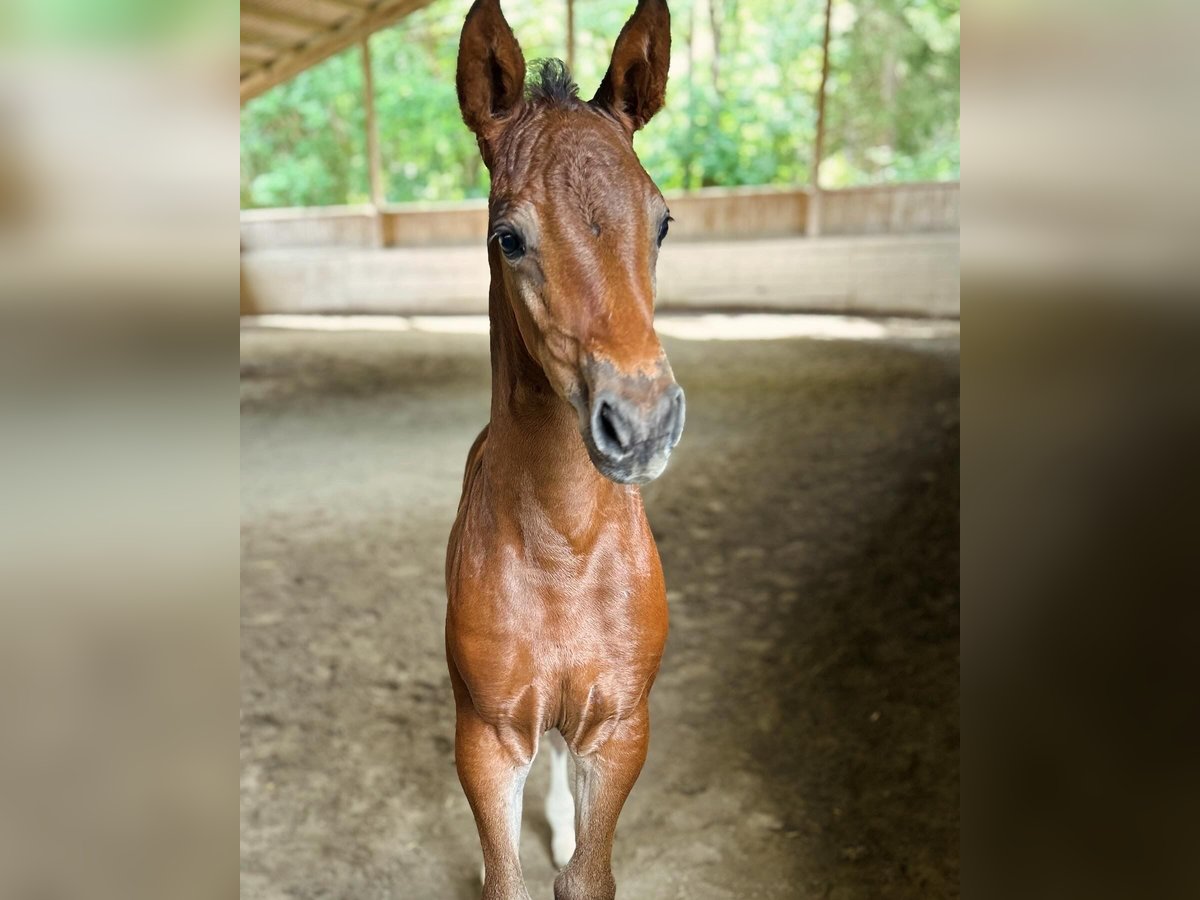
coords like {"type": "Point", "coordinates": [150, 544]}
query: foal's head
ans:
{"type": "Point", "coordinates": [575, 225]}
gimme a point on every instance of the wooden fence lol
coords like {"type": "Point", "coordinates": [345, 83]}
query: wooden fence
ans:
{"type": "Point", "coordinates": [709, 214]}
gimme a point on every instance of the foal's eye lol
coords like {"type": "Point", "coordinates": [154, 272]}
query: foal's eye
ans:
{"type": "Point", "coordinates": [662, 231]}
{"type": "Point", "coordinates": [511, 244]}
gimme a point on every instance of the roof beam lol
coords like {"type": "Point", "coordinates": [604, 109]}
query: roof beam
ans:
{"type": "Point", "coordinates": [355, 4]}
{"type": "Point", "coordinates": [303, 15]}
{"type": "Point", "coordinates": [259, 38]}
{"type": "Point", "coordinates": [276, 25]}
{"type": "Point", "coordinates": [258, 53]}
{"type": "Point", "coordinates": [321, 13]}
{"type": "Point", "coordinates": [323, 45]}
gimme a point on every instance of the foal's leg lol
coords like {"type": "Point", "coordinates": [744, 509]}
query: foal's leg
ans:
{"type": "Point", "coordinates": [493, 772]}
{"type": "Point", "coordinates": [560, 807]}
{"type": "Point", "coordinates": [603, 779]}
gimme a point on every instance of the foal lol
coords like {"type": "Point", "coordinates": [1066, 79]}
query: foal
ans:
{"type": "Point", "coordinates": [557, 613]}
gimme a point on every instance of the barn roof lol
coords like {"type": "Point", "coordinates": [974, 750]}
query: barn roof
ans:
{"type": "Point", "coordinates": [282, 38]}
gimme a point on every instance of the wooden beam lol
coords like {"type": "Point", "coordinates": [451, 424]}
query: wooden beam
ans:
{"type": "Point", "coordinates": [346, 34]}
{"type": "Point", "coordinates": [260, 38]}
{"type": "Point", "coordinates": [318, 13]}
{"type": "Point", "coordinates": [258, 53]}
{"type": "Point", "coordinates": [356, 5]}
{"type": "Point", "coordinates": [324, 12]}
{"type": "Point", "coordinates": [813, 225]}
{"type": "Point", "coordinates": [293, 31]}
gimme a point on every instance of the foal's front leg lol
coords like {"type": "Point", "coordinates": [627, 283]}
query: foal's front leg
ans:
{"type": "Point", "coordinates": [493, 772]}
{"type": "Point", "coordinates": [603, 779]}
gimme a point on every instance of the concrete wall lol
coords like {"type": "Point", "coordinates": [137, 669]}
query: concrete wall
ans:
{"type": "Point", "coordinates": [887, 250]}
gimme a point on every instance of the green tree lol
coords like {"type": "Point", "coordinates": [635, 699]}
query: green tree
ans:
{"type": "Point", "coordinates": [893, 92]}
{"type": "Point", "coordinates": [740, 102]}
{"type": "Point", "coordinates": [303, 142]}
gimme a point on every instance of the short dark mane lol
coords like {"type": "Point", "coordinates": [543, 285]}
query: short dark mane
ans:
{"type": "Point", "coordinates": [551, 83]}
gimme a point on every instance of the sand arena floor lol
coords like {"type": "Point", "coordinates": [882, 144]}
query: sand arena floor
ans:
{"type": "Point", "coordinates": [805, 722]}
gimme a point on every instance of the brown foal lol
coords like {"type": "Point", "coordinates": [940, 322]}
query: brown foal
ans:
{"type": "Point", "coordinates": [557, 613]}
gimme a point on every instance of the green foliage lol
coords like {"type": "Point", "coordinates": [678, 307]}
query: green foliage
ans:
{"type": "Point", "coordinates": [740, 105]}
{"type": "Point", "coordinates": [304, 142]}
{"type": "Point", "coordinates": [893, 92]}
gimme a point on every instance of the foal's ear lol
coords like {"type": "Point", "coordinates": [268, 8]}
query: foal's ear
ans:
{"type": "Point", "coordinates": [636, 83]}
{"type": "Point", "coordinates": [491, 71]}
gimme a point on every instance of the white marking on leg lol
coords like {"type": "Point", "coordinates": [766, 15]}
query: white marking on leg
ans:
{"type": "Point", "coordinates": [560, 807]}
{"type": "Point", "coordinates": [516, 800]}
{"type": "Point", "coordinates": [586, 785]}
{"type": "Point", "coordinates": [516, 803]}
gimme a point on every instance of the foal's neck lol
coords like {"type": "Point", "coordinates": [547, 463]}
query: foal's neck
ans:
{"type": "Point", "coordinates": [535, 453]}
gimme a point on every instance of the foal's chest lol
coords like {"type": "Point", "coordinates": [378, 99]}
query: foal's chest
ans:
{"type": "Point", "coordinates": [573, 644]}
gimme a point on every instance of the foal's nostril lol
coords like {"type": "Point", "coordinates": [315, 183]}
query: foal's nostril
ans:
{"type": "Point", "coordinates": [612, 433]}
{"type": "Point", "coordinates": [635, 433]}
{"type": "Point", "coordinates": [677, 413]}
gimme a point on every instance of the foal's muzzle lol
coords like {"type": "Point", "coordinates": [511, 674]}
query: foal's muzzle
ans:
{"type": "Point", "coordinates": [633, 423]}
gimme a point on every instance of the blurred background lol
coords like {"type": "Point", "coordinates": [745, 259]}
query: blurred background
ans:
{"type": "Point", "coordinates": [806, 718]}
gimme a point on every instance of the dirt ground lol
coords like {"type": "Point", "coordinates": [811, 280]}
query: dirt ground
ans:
{"type": "Point", "coordinates": [805, 722]}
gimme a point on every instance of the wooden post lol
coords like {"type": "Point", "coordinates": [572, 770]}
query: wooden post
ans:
{"type": "Point", "coordinates": [571, 35]}
{"type": "Point", "coordinates": [813, 224]}
{"type": "Point", "coordinates": [374, 169]}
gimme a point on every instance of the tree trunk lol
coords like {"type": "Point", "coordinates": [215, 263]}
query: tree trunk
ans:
{"type": "Point", "coordinates": [813, 225]}
{"type": "Point", "coordinates": [714, 17]}
{"type": "Point", "coordinates": [707, 178]}
{"type": "Point", "coordinates": [689, 159]}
